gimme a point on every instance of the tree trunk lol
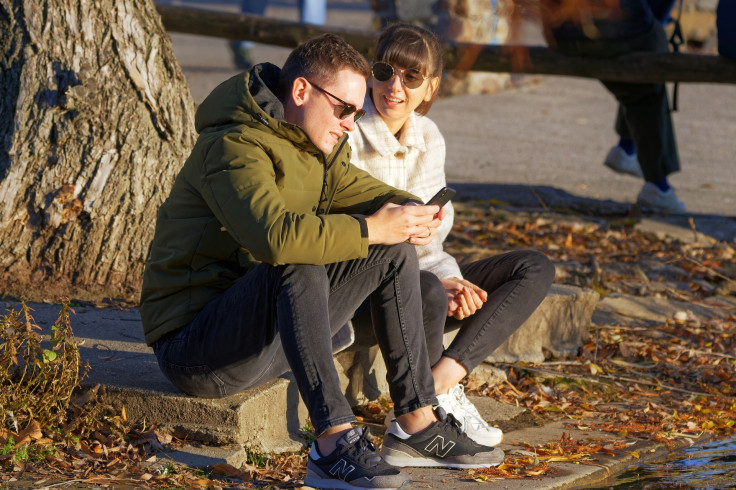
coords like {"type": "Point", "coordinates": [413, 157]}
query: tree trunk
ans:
{"type": "Point", "coordinates": [96, 119]}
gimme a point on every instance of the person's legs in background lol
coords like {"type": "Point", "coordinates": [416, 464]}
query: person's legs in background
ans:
{"type": "Point", "coordinates": [647, 147]}
{"type": "Point", "coordinates": [243, 50]}
{"type": "Point", "coordinates": [313, 11]}
{"type": "Point", "coordinates": [622, 158]}
{"type": "Point", "coordinates": [644, 117]}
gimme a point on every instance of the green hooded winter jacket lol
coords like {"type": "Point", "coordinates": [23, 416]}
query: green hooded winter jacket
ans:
{"type": "Point", "coordinates": [254, 189]}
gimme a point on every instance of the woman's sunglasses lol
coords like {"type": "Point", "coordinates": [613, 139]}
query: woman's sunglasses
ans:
{"type": "Point", "coordinates": [411, 77]}
{"type": "Point", "coordinates": [347, 108]}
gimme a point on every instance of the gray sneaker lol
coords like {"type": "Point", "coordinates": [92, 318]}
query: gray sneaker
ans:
{"type": "Point", "coordinates": [654, 199]}
{"type": "Point", "coordinates": [442, 444]}
{"type": "Point", "coordinates": [620, 161]}
{"type": "Point", "coordinates": [354, 464]}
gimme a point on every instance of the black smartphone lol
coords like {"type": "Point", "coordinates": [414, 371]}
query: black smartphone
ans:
{"type": "Point", "coordinates": [441, 198]}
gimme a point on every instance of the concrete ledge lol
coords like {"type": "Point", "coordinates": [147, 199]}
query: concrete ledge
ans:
{"type": "Point", "coordinates": [202, 456]}
{"type": "Point", "coordinates": [253, 419]}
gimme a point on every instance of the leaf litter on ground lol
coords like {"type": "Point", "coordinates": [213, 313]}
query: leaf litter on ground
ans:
{"type": "Point", "coordinates": [670, 381]}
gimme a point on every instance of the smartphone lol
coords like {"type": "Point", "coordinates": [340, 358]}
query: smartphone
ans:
{"type": "Point", "coordinates": [441, 198]}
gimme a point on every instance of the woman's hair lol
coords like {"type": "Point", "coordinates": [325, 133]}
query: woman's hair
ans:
{"type": "Point", "coordinates": [318, 60]}
{"type": "Point", "coordinates": [411, 46]}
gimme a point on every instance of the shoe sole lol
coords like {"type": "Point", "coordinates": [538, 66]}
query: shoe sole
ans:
{"type": "Point", "coordinates": [316, 480]}
{"type": "Point", "coordinates": [398, 458]}
{"type": "Point", "coordinates": [659, 209]}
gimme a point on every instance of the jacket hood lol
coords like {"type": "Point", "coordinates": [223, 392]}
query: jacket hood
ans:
{"type": "Point", "coordinates": [245, 98]}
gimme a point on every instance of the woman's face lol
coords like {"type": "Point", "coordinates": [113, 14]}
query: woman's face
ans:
{"type": "Point", "coordinates": [394, 101]}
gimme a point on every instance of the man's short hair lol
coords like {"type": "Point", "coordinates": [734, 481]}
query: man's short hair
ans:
{"type": "Point", "coordinates": [318, 60]}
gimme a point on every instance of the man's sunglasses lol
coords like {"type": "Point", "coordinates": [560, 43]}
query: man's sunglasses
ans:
{"type": "Point", "coordinates": [347, 108]}
{"type": "Point", "coordinates": [411, 77]}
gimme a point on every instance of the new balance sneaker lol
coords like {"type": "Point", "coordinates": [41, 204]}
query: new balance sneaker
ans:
{"type": "Point", "coordinates": [620, 161]}
{"type": "Point", "coordinates": [653, 198]}
{"type": "Point", "coordinates": [442, 444]}
{"type": "Point", "coordinates": [354, 464]}
{"type": "Point", "coordinates": [456, 403]}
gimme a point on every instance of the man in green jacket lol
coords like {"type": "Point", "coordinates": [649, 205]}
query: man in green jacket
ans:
{"type": "Point", "coordinates": [267, 244]}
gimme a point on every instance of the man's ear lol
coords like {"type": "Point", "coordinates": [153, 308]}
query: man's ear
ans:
{"type": "Point", "coordinates": [299, 92]}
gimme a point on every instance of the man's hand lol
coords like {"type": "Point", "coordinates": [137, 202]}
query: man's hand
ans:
{"type": "Point", "coordinates": [394, 224]}
{"type": "Point", "coordinates": [464, 297]}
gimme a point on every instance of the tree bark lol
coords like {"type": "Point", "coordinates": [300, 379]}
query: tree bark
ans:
{"type": "Point", "coordinates": [96, 119]}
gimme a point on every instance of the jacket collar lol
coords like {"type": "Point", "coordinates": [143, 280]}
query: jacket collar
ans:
{"type": "Point", "coordinates": [250, 98]}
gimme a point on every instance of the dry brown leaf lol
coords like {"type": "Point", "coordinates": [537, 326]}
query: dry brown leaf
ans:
{"type": "Point", "coordinates": [30, 433]}
{"type": "Point", "coordinates": [224, 469]}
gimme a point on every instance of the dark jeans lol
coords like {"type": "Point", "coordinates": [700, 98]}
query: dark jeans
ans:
{"type": "Point", "coordinates": [276, 319]}
{"type": "Point", "coordinates": [516, 283]}
{"type": "Point", "coordinates": [644, 111]}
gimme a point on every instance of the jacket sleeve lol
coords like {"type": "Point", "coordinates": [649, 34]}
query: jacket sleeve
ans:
{"type": "Point", "coordinates": [360, 193]}
{"type": "Point", "coordinates": [241, 190]}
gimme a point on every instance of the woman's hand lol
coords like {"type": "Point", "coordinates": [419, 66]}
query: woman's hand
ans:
{"type": "Point", "coordinates": [464, 297]}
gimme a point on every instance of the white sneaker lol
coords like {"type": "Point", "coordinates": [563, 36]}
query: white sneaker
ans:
{"type": "Point", "coordinates": [620, 161]}
{"type": "Point", "coordinates": [656, 200]}
{"type": "Point", "coordinates": [456, 403]}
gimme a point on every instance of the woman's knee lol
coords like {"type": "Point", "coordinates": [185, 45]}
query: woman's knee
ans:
{"type": "Point", "coordinates": [539, 265]}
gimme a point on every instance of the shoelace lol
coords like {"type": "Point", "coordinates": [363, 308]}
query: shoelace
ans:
{"type": "Point", "coordinates": [458, 395]}
{"type": "Point", "coordinates": [453, 425]}
{"type": "Point", "coordinates": [364, 451]}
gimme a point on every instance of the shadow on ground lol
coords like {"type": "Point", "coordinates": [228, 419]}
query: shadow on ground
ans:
{"type": "Point", "coordinates": [686, 227]}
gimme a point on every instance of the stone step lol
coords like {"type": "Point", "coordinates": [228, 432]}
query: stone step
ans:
{"type": "Point", "coordinates": [268, 419]}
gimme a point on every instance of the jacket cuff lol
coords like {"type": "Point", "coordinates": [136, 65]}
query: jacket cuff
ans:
{"type": "Point", "coordinates": [363, 225]}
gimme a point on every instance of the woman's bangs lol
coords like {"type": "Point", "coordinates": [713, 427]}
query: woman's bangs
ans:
{"type": "Point", "coordinates": [408, 55]}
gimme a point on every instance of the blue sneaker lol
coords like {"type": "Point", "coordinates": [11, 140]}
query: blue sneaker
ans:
{"type": "Point", "coordinates": [354, 464]}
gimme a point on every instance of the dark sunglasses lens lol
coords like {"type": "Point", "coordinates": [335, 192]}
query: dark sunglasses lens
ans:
{"type": "Point", "coordinates": [383, 71]}
{"type": "Point", "coordinates": [413, 78]}
{"type": "Point", "coordinates": [358, 115]}
{"type": "Point", "coordinates": [347, 110]}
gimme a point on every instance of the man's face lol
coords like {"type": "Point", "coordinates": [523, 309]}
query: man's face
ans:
{"type": "Point", "coordinates": [318, 112]}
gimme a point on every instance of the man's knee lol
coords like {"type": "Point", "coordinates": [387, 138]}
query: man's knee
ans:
{"type": "Point", "coordinates": [313, 276]}
{"type": "Point", "coordinates": [403, 253]}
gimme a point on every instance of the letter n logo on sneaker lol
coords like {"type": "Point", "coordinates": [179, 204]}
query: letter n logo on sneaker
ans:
{"type": "Point", "coordinates": [439, 447]}
{"type": "Point", "coordinates": [341, 469]}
